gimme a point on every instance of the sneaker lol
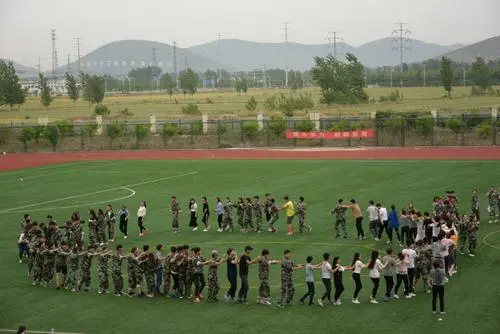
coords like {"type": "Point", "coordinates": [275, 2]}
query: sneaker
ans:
{"type": "Point", "coordinates": [267, 302]}
{"type": "Point", "coordinates": [111, 240]}
{"type": "Point", "coordinates": [337, 303]}
{"type": "Point", "coordinates": [196, 300]}
{"type": "Point", "coordinates": [377, 239]}
{"type": "Point", "coordinates": [355, 301]}
{"type": "Point", "coordinates": [289, 233]}
{"type": "Point", "coordinates": [471, 255]}
{"type": "Point", "coordinates": [73, 290]}
{"type": "Point", "coordinates": [118, 294]}
{"type": "Point", "coordinates": [226, 297]}
{"type": "Point", "coordinates": [320, 303]}
{"type": "Point", "coordinates": [395, 297]}
{"type": "Point", "coordinates": [443, 312]}
{"type": "Point", "coordinates": [408, 296]}
{"type": "Point", "coordinates": [140, 234]}
{"type": "Point", "coordinates": [205, 230]}
{"type": "Point", "coordinates": [434, 312]}
{"type": "Point", "coordinates": [195, 229]}
{"type": "Point", "coordinates": [99, 292]}
{"type": "Point", "coordinates": [124, 237]}
{"type": "Point", "coordinates": [101, 244]}
{"type": "Point", "coordinates": [149, 295]}
{"type": "Point", "coordinates": [269, 230]}
{"type": "Point", "coordinates": [373, 301]}
{"type": "Point", "coordinates": [20, 261]}
{"type": "Point", "coordinates": [388, 242]}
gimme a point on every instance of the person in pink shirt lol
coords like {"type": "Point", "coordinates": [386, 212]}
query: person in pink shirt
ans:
{"type": "Point", "coordinates": [447, 242]}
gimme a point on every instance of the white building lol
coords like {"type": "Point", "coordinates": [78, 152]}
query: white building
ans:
{"type": "Point", "coordinates": [57, 86]}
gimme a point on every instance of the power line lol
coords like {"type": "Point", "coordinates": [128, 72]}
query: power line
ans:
{"type": "Point", "coordinates": [401, 37]}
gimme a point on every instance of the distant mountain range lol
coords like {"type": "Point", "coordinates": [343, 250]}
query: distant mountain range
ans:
{"type": "Point", "coordinates": [22, 71]}
{"type": "Point", "coordinates": [118, 58]}
{"type": "Point", "coordinates": [489, 49]}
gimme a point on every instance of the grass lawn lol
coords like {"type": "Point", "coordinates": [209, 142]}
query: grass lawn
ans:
{"type": "Point", "coordinates": [222, 104]}
{"type": "Point", "coordinates": [471, 296]}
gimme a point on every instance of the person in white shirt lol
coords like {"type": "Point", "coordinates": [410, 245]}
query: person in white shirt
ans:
{"type": "Point", "coordinates": [384, 221]}
{"type": "Point", "coordinates": [141, 214]}
{"type": "Point", "coordinates": [375, 266]}
{"type": "Point", "coordinates": [410, 256]}
{"type": "Point", "coordinates": [420, 227]}
{"type": "Point", "coordinates": [374, 219]}
{"type": "Point", "coordinates": [356, 268]}
{"type": "Point", "coordinates": [193, 212]}
{"type": "Point", "coordinates": [402, 275]}
{"type": "Point", "coordinates": [326, 277]}
{"type": "Point", "coordinates": [23, 246]}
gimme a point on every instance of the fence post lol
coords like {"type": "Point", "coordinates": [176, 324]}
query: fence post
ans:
{"type": "Point", "coordinates": [241, 132]}
{"type": "Point", "coordinates": [403, 131]}
{"type": "Point", "coordinates": [98, 120]}
{"type": "Point", "coordinates": [260, 121]}
{"type": "Point", "coordinates": [152, 122]}
{"type": "Point", "coordinates": [268, 134]}
{"type": "Point", "coordinates": [191, 134]}
{"type": "Point", "coordinates": [82, 139]}
{"type": "Point", "coordinates": [464, 126]}
{"type": "Point", "coordinates": [373, 116]}
{"type": "Point", "coordinates": [219, 136]}
{"type": "Point", "coordinates": [204, 120]}
{"type": "Point", "coordinates": [25, 140]}
{"type": "Point", "coordinates": [434, 114]}
{"type": "Point", "coordinates": [494, 116]}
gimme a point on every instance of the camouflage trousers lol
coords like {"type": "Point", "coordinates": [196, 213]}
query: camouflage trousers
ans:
{"type": "Point", "coordinates": [150, 281]}
{"type": "Point", "coordinates": [340, 222]}
{"type": "Point", "coordinates": [73, 278]}
{"type": "Point", "coordinates": [462, 241]}
{"type": "Point", "coordinates": [167, 280]}
{"type": "Point", "coordinates": [92, 237]}
{"type": "Point", "coordinates": [117, 282]}
{"type": "Point", "coordinates": [181, 285]}
{"type": "Point", "coordinates": [264, 289]}
{"type": "Point", "coordinates": [228, 223]}
{"type": "Point", "coordinates": [421, 272]}
{"type": "Point", "coordinates": [188, 284]}
{"type": "Point", "coordinates": [175, 221]}
{"type": "Point", "coordinates": [287, 291]}
{"type": "Point", "coordinates": [86, 277]}
{"type": "Point", "coordinates": [48, 272]}
{"type": "Point", "coordinates": [132, 281]}
{"type": "Point", "coordinates": [213, 288]}
{"type": "Point", "coordinates": [258, 224]}
{"type": "Point", "coordinates": [472, 242]}
{"type": "Point", "coordinates": [302, 224]}
{"type": "Point", "coordinates": [493, 210]}
{"type": "Point", "coordinates": [31, 263]}
{"type": "Point", "coordinates": [240, 221]}
{"type": "Point", "coordinates": [111, 230]}
{"type": "Point", "coordinates": [247, 223]}
{"type": "Point", "coordinates": [101, 234]}
{"type": "Point", "coordinates": [38, 271]}
{"type": "Point", "coordinates": [103, 280]}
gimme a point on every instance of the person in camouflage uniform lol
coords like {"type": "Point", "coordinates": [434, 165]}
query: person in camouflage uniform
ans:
{"type": "Point", "coordinates": [34, 245]}
{"type": "Point", "coordinates": [132, 268]}
{"type": "Point", "coordinates": [492, 204]}
{"type": "Point", "coordinates": [102, 270]}
{"type": "Point", "coordinates": [472, 235]}
{"type": "Point", "coordinates": [116, 270]}
{"type": "Point", "coordinates": [240, 213]}
{"type": "Point", "coordinates": [85, 268]}
{"type": "Point", "coordinates": [463, 232]}
{"type": "Point", "coordinates": [228, 215]}
{"type": "Point", "coordinates": [181, 263]}
{"type": "Point", "coordinates": [101, 227]}
{"type": "Point", "coordinates": [49, 264]}
{"type": "Point", "coordinates": [287, 288]}
{"type": "Point", "coordinates": [188, 278]}
{"type": "Point", "coordinates": [340, 212]}
{"type": "Point", "coordinates": [175, 210]}
{"type": "Point", "coordinates": [39, 256]}
{"type": "Point", "coordinates": [167, 268]}
{"type": "Point", "coordinates": [301, 211]}
{"type": "Point", "coordinates": [422, 264]}
{"type": "Point", "coordinates": [267, 207]}
{"type": "Point", "coordinates": [275, 215]}
{"type": "Point", "coordinates": [110, 222]}
{"type": "Point", "coordinates": [54, 236]}
{"type": "Point", "coordinates": [198, 277]}
{"type": "Point", "coordinates": [247, 215]}
{"type": "Point", "coordinates": [213, 280]}
{"type": "Point", "coordinates": [76, 234]}
{"type": "Point", "coordinates": [149, 268]}
{"type": "Point", "coordinates": [257, 214]}
{"type": "Point", "coordinates": [264, 291]}
{"type": "Point", "coordinates": [62, 265]}
{"type": "Point", "coordinates": [475, 204]}
{"type": "Point", "coordinates": [92, 228]}
{"type": "Point", "coordinates": [74, 260]}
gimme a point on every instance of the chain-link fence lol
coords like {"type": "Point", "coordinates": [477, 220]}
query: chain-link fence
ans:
{"type": "Point", "coordinates": [480, 130]}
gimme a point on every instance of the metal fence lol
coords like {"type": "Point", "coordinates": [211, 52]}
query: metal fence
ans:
{"type": "Point", "coordinates": [479, 130]}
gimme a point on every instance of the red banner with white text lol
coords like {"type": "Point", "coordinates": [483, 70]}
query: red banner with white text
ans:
{"type": "Point", "coordinates": [369, 133]}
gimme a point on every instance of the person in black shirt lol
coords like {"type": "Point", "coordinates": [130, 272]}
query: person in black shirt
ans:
{"type": "Point", "coordinates": [206, 213]}
{"type": "Point", "coordinates": [232, 274]}
{"type": "Point", "coordinates": [245, 261]}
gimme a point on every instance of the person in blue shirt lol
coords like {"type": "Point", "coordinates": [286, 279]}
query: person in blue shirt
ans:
{"type": "Point", "coordinates": [393, 225]}
{"type": "Point", "coordinates": [123, 214]}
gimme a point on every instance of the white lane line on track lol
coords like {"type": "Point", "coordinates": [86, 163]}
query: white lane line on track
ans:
{"type": "Point", "coordinates": [98, 192]}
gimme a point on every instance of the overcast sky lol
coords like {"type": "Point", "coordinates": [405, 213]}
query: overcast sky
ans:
{"type": "Point", "coordinates": [25, 24]}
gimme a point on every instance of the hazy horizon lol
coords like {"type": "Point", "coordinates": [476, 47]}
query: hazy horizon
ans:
{"type": "Point", "coordinates": [96, 23]}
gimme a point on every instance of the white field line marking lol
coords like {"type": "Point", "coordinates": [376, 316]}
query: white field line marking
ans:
{"type": "Point", "coordinates": [98, 192]}
{"type": "Point", "coordinates": [132, 193]}
{"type": "Point", "coordinates": [37, 332]}
{"type": "Point", "coordinates": [29, 176]}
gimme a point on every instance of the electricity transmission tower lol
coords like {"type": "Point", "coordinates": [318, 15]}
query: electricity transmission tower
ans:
{"type": "Point", "coordinates": [333, 38]}
{"type": "Point", "coordinates": [285, 27]}
{"type": "Point", "coordinates": [401, 37]}
{"type": "Point", "coordinates": [219, 72]}
{"type": "Point", "coordinates": [78, 55]}
{"type": "Point", "coordinates": [54, 52]}
{"type": "Point", "coordinates": [175, 66]}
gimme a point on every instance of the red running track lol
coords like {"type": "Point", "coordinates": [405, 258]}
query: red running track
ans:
{"type": "Point", "coordinates": [28, 160]}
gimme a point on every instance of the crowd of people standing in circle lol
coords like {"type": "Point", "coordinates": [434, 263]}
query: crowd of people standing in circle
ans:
{"type": "Point", "coordinates": [431, 241]}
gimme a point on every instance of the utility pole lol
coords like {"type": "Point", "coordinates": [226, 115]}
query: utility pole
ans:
{"type": "Point", "coordinates": [69, 64]}
{"type": "Point", "coordinates": [77, 41]}
{"type": "Point", "coordinates": [175, 66]}
{"type": "Point", "coordinates": [401, 37]}
{"type": "Point", "coordinates": [219, 72]}
{"type": "Point", "coordinates": [333, 38]}
{"type": "Point", "coordinates": [265, 76]}
{"type": "Point", "coordinates": [153, 59]}
{"type": "Point", "coordinates": [54, 52]}
{"type": "Point", "coordinates": [285, 27]}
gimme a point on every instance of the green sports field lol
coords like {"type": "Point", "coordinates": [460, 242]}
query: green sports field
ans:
{"type": "Point", "coordinates": [471, 296]}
